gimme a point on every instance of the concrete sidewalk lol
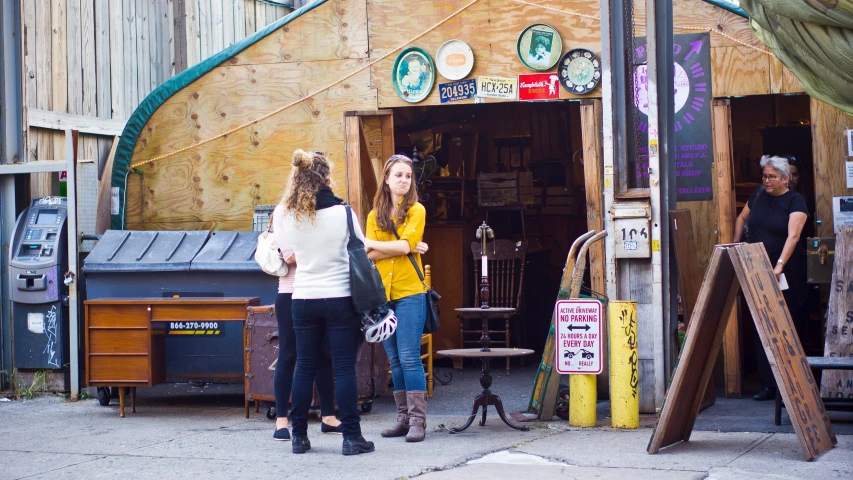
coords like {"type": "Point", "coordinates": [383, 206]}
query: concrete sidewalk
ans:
{"type": "Point", "coordinates": [207, 436]}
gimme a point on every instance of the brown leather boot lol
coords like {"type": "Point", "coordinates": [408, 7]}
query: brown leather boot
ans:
{"type": "Point", "coordinates": [417, 401]}
{"type": "Point", "coordinates": [402, 426]}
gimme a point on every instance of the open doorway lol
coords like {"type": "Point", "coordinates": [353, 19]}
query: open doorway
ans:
{"type": "Point", "coordinates": [519, 167]}
{"type": "Point", "coordinates": [775, 125]}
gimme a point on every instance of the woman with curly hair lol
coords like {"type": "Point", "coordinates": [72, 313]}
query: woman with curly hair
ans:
{"type": "Point", "coordinates": [315, 226]}
{"type": "Point", "coordinates": [395, 228]}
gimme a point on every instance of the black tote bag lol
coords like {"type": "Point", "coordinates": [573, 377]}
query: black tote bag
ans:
{"type": "Point", "coordinates": [365, 281]}
{"type": "Point", "coordinates": [433, 311]}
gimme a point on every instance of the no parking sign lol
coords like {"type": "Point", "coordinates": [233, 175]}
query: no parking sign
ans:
{"type": "Point", "coordinates": [579, 336]}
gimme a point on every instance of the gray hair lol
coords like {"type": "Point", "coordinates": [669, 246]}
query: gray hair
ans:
{"type": "Point", "coordinates": [780, 164]}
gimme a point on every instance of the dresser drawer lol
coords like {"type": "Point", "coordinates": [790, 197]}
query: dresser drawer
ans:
{"type": "Point", "coordinates": [119, 341]}
{"type": "Point", "coordinates": [116, 369]}
{"type": "Point", "coordinates": [117, 316]}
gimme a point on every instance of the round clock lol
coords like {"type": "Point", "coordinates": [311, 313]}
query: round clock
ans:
{"type": "Point", "coordinates": [579, 71]}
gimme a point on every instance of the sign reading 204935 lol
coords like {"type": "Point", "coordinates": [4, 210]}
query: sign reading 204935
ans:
{"type": "Point", "coordinates": [454, 91]}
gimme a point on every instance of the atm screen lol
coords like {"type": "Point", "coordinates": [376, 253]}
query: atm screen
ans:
{"type": "Point", "coordinates": [47, 217]}
{"type": "Point", "coordinates": [29, 250]}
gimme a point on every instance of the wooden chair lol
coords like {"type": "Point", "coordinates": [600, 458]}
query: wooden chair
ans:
{"type": "Point", "coordinates": [506, 285]}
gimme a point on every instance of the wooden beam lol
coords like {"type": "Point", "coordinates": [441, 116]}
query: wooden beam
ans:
{"type": "Point", "coordinates": [724, 183]}
{"type": "Point", "coordinates": [102, 218]}
{"type": "Point", "coordinates": [352, 134]}
{"type": "Point", "coordinates": [593, 168]}
{"type": "Point", "coordinates": [38, 166]}
{"type": "Point", "coordinates": [84, 124]}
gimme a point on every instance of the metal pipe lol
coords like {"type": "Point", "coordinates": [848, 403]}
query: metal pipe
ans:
{"type": "Point", "coordinates": [624, 364]}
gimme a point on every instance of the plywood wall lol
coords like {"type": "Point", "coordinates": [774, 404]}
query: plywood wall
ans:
{"type": "Point", "coordinates": [217, 185]}
{"type": "Point", "coordinates": [829, 149]}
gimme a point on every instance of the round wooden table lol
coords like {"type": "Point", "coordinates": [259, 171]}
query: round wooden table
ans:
{"type": "Point", "coordinates": [485, 355]}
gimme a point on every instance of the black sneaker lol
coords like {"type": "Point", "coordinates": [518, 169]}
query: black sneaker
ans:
{"type": "Point", "coordinates": [300, 444]}
{"type": "Point", "coordinates": [357, 445]}
{"type": "Point", "coordinates": [281, 434]}
{"type": "Point", "coordinates": [766, 393]}
{"type": "Point", "coordinates": [326, 428]}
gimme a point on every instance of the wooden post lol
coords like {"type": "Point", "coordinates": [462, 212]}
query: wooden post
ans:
{"type": "Point", "coordinates": [724, 187]}
{"type": "Point", "coordinates": [593, 179]}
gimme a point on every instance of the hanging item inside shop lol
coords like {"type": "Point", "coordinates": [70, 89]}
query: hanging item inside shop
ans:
{"type": "Point", "coordinates": [539, 47]}
{"type": "Point", "coordinates": [580, 71]}
{"type": "Point", "coordinates": [414, 74]}
{"type": "Point", "coordinates": [454, 59]}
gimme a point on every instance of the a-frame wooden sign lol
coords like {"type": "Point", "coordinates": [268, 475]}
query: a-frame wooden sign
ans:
{"type": "Point", "coordinates": [746, 266]}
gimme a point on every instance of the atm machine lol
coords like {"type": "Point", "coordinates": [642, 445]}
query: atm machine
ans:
{"type": "Point", "coordinates": [37, 263]}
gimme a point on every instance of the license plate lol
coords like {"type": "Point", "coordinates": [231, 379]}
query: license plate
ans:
{"type": "Point", "coordinates": [455, 91]}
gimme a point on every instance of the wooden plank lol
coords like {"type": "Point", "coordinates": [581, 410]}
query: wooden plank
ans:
{"type": "Point", "coordinates": [179, 34]}
{"type": "Point", "coordinates": [837, 383]}
{"type": "Point", "coordinates": [85, 124]}
{"type": "Point", "coordinates": [59, 69]}
{"type": "Point", "coordinates": [238, 19]}
{"type": "Point", "coordinates": [217, 27]}
{"type": "Point", "coordinates": [117, 86]}
{"type": "Point", "coordinates": [102, 217]}
{"type": "Point", "coordinates": [155, 42]}
{"type": "Point", "coordinates": [28, 76]}
{"type": "Point", "coordinates": [369, 179]}
{"type": "Point", "coordinates": [228, 20]}
{"type": "Point", "coordinates": [593, 168]}
{"type": "Point", "coordinates": [204, 29]}
{"type": "Point", "coordinates": [784, 351]}
{"type": "Point", "coordinates": [781, 79]}
{"type": "Point", "coordinates": [103, 58]}
{"type": "Point", "coordinates": [168, 41]}
{"type": "Point", "coordinates": [131, 88]}
{"type": "Point", "coordinates": [355, 186]}
{"type": "Point", "coordinates": [192, 35]}
{"type": "Point", "coordinates": [44, 87]}
{"type": "Point", "coordinates": [689, 274]}
{"type": "Point", "coordinates": [726, 214]}
{"type": "Point", "coordinates": [140, 20]}
{"type": "Point", "coordinates": [704, 336]}
{"type": "Point", "coordinates": [249, 16]}
{"type": "Point", "coordinates": [828, 148]}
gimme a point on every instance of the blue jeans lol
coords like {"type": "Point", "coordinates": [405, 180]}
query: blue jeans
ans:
{"type": "Point", "coordinates": [313, 320]}
{"type": "Point", "coordinates": [283, 376]}
{"type": "Point", "coordinates": [404, 347]}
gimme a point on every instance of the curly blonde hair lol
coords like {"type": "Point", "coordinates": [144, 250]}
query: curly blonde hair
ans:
{"type": "Point", "coordinates": [310, 173]}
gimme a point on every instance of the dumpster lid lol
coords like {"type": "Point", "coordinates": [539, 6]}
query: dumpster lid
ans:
{"type": "Point", "coordinates": [228, 252]}
{"type": "Point", "coordinates": [144, 251]}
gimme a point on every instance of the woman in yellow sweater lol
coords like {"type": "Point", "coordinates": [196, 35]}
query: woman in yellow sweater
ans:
{"type": "Point", "coordinates": [395, 229]}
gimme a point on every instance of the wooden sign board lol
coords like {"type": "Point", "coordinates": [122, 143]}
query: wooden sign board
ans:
{"type": "Point", "coordinates": [839, 321]}
{"type": "Point", "coordinates": [749, 265]}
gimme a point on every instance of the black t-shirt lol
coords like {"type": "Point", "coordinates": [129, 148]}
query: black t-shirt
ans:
{"type": "Point", "coordinates": [768, 219]}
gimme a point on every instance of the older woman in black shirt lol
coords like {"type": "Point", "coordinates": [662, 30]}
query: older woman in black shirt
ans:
{"type": "Point", "coordinates": [775, 215]}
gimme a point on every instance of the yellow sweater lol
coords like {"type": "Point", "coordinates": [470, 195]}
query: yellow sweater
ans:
{"type": "Point", "coordinates": [398, 275]}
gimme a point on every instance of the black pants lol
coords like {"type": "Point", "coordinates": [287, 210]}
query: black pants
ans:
{"type": "Point", "coordinates": [313, 320]}
{"type": "Point", "coordinates": [283, 376]}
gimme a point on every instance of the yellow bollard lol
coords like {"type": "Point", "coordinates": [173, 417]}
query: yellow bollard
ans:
{"type": "Point", "coordinates": [624, 365]}
{"type": "Point", "coordinates": [582, 400]}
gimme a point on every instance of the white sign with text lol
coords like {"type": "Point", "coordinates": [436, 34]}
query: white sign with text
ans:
{"type": "Point", "coordinates": [579, 336]}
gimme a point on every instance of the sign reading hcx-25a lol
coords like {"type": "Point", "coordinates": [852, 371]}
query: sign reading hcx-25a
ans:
{"type": "Point", "coordinates": [579, 336]}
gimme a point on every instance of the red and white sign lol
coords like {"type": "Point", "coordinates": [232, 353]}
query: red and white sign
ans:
{"type": "Point", "coordinates": [538, 86]}
{"type": "Point", "coordinates": [578, 342]}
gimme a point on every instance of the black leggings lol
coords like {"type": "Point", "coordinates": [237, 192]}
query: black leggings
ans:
{"type": "Point", "coordinates": [283, 377]}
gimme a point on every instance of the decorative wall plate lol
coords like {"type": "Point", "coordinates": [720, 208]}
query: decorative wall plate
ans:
{"type": "Point", "coordinates": [454, 59]}
{"type": "Point", "coordinates": [579, 71]}
{"type": "Point", "coordinates": [539, 47]}
{"type": "Point", "coordinates": [413, 75]}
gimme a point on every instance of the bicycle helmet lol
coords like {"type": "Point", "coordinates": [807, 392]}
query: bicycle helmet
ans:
{"type": "Point", "coordinates": [378, 324]}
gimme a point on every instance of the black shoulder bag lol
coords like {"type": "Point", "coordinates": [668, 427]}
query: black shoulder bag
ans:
{"type": "Point", "coordinates": [433, 310]}
{"type": "Point", "coordinates": [364, 279]}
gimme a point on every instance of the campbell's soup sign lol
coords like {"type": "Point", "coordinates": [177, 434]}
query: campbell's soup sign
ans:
{"type": "Point", "coordinates": [538, 86]}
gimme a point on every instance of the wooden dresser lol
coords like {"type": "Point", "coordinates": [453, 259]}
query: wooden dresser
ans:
{"type": "Point", "coordinates": [125, 337]}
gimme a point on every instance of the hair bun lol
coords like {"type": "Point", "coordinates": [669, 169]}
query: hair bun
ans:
{"type": "Point", "coordinates": [302, 159]}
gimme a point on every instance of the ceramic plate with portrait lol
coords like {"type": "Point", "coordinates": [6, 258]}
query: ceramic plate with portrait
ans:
{"type": "Point", "coordinates": [539, 47]}
{"type": "Point", "coordinates": [414, 74]}
{"type": "Point", "coordinates": [580, 71]}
